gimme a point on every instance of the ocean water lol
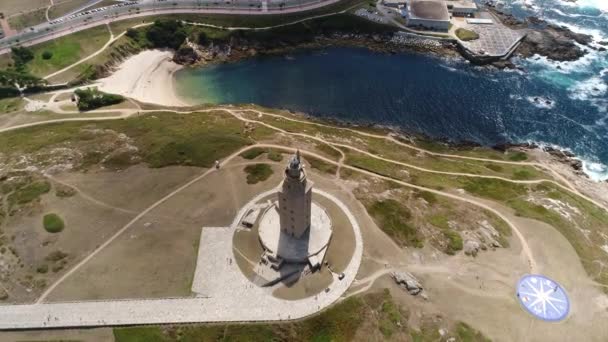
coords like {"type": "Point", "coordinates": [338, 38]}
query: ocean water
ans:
{"type": "Point", "coordinates": [562, 104]}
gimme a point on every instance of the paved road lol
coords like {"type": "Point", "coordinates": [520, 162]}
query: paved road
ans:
{"type": "Point", "coordinates": [52, 30]}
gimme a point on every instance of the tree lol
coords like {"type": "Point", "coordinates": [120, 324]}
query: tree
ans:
{"type": "Point", "coordinates": [47, 54]}
{"type": "Point", "coordinates": [132, 33]}
{"type": "Point", "coordinates": [21, 55]}
{"type": "Point", "coordinates": [167, 34]}
{"type": "Point", "coordinates": [90, 98]}
{"type": "Point", "coordinates": [202, 39]}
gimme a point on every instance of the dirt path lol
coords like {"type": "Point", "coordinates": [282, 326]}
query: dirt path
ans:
{"type": "Point", "coordinates": [421, 150]}
{"type": "Point", "coordinates": [526, 251]}
{"type": "Point", "coordinates": [125, 113]}
{"type": "Point", "coordinates": [96, 53]}
{"type": "Point", "coordinates": [130, 223]}
{"type": "Point", "coordinates": [87, 197]}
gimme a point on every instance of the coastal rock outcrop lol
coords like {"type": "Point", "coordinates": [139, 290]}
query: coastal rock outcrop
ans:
{"type": "Point", "coordinates": [237, 48]}
{"type": "Point", "coordinates": [566, 157]}
{"type": "Point", "coordinates": [555, 42]}
{"type": "Point", "coordinates": [408, 282]}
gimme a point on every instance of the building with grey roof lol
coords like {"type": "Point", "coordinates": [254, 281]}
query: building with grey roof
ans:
{"type": "Point", "coordinates": [428, 14]}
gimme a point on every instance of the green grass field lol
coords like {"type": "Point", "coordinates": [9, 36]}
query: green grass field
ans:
{"type": "Point", "coordinates": [67, 50]}
{"type": "Point", "coordinates": [393, 219]}
{"type": "Point", "coordinates": [28, 193]}
{"type": "Point", "coordinates": [322, 166]}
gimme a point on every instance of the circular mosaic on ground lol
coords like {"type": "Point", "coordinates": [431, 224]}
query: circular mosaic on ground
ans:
{"type": "Point", "coordinates": [544, 298]}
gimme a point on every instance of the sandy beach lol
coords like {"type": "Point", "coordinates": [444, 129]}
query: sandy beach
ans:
{"type": "Point", "coordinates": [146, 77]}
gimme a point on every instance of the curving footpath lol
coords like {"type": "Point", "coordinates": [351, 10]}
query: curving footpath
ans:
{"type": "Point", "coordinates": [236, 301]}
{"type": "Point", "coordinates": [216, 309]}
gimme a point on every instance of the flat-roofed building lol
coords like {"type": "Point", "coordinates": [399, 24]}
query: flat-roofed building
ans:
{"type": "Point", "coordinates": [462, 8]}
{"type": "Point", "coordinates": [394, 3]}
{"type": "Point", "coordinates": [428, 14]}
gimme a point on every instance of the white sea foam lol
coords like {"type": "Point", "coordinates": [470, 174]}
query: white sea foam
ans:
{"type": "Point", "coordinates": [573, 15]}
{"type": "Point", "coordinates": [596, 171]}
{"type": "Point", "coordinates": [602, 5]}
{"type": "Point", "coordinates": [593, 87]}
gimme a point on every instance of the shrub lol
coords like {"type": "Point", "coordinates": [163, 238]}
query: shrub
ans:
{"type": "Point", "coordinates": [494, 167]}
{"type": "Point", "coordinates": [166, 34]}
{"type": "Point", "coordinates": [518, 156]}
{"type": "Point", "coordinates": [21, 55]}
{"type": "Point", "coordinates": [252, 153]}
{"type": "Point", "coordinates": [392, 217]}
{"type": "Point", "coordinates": [42, 268]}
{"type": "Point", "coordinates": [89, 99]}
{"type": "Point", "coordinates": [466, 35]}
{"type": "Point", "coordinates": [52, 223]}
{"type": "Point", "coordinates": [275, 156]}
{"type": "Point", "coordinates": [202, 38]}
{"type": "Point", "coordinates": [429, 197]}
{"type": "Point", "coordinates": [258, 173]}
{"type": "Point", "coordinates": [47, 55]}
{"type": "Point", "coordinates": [132, 33]}
{"type": "Point", "coordinates": [454, 241]}
{"type": "Point", "coordinates": [29, 192]}
{"type": "Point", "coordinates": [56, 256]}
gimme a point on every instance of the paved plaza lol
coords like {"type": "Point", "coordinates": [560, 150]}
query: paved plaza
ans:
{"type": "Point", "coordinates": [494, 39]}
{"type": "Point", "coordinates": [291, 248]}
{"type": "Point", "coordinates": [224, 294]}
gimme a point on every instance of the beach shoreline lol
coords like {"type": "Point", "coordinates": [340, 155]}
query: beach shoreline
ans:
{"type": "Point", "coordinates": [146, 77]}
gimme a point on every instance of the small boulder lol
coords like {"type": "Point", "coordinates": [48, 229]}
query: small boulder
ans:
{"type": "Point", "coordinates": [408, 282]}
{"type": "Point", "coordinates": [471, 247]}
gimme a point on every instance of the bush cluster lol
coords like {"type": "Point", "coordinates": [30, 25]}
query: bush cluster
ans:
{"type": "Point", "coordinates": [89, 99]}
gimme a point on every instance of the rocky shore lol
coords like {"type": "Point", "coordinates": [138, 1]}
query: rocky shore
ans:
{"type": "Point", "coordinates": [193, 54]}
{"type": "Point", "coordinates": [557, 43]}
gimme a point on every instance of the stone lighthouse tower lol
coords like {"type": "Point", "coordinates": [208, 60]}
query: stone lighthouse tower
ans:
{"type": "Point", "coordinates": [295, 199]}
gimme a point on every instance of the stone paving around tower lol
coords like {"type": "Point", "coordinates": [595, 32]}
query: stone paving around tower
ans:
{"type": "Point", "coordinates": [224, 294]}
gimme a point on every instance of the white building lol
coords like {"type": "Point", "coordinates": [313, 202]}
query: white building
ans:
{"type": "Point", "coordinates": [394, 3]}
{"type": "Point", "coordinates": [428, 14]}
{"type": "Point", "coordinates": [464, 8]}
{"type": "Point", "coordinates": [295, 199]}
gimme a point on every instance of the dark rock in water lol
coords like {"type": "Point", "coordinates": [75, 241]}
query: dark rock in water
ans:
{"type": "Point", "coordinates": [504, 64]}
{"type": "Point", "coordinates": [604, 43]}
{"type": "Point", "coordinates": [601, 49]}
{"type": "Point", "coordinates": [576, 164]}
{"type": "Point", "coordinates": [568, 154]}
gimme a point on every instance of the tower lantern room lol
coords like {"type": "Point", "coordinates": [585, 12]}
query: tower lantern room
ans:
{"type": "Point", "coordinates": [295, 199]}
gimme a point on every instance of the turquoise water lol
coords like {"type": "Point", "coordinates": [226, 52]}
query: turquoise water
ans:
{"type": "Point", "coordinates": [563, 104]}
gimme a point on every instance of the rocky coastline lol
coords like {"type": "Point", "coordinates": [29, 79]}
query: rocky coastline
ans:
{"type": "Point", "coordinates": [236, 49]}
{"type": "Point", "coordinates": [557, 43]}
